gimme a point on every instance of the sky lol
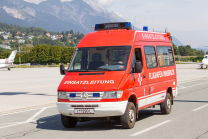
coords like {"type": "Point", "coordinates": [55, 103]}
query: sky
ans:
{"type": "Point", "coordinates": [187, 20]}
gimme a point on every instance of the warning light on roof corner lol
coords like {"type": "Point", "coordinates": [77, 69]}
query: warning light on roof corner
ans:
{"type": "Point", "coordinates": [145, 28]}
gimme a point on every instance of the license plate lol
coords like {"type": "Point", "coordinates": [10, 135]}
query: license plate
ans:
{"type": "Point", "coordinates": [84, 111]}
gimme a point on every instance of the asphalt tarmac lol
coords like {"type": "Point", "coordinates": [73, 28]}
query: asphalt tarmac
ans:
{"type": "Point", "coordinates": [28, 109]}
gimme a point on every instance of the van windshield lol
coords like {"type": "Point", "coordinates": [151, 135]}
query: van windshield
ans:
{"type": "Point", "coordinates": [108, 58]}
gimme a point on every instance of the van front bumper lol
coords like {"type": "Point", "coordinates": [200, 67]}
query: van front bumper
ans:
{"type": "Point", "coordinates": [103, 109]}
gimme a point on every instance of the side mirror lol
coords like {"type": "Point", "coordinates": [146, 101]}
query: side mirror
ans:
{"type": "Point", "coordinates": [62, 69]}
{"type": "Point", "coordinates": [138, 67]}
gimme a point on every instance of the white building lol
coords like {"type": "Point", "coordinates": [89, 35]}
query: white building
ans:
{"type": "Point", "coordinates": [5, 46]}
{"type": "Point", "coordinates": [6, 37]}
{"type": "Point", "coordinates": [21, 41]}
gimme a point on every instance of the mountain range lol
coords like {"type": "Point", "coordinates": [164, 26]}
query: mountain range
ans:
{"type": "Point", "coordinates": [58, 15]}
{"type": "Point", "coordinates": [55, 15]}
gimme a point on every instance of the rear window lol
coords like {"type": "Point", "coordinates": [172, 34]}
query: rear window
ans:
{"type": "Point", "coordinates": [165, 56]}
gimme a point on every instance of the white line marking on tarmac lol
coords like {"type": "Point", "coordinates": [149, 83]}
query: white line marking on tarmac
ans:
{"type": "Point", "coordinates": [19, 123]}
{"type": "Point", "coordinates": [192, 80]}
{"type": "Point", "coordinates": [150, 128]}
{"type": "Point", "coordinates": [35, 115]}
{"type": "Point", "coordinates": [14, 124]}
{"type": "Point", "coordinates": [181, 86]}
{"type": "Point", "coordinates": [200, 107]}
{"type": "Point", "coordinates": [8, 123]}
{"type": "Point", "coordinates": [29, 120]}
{"type": "Point", "coordinates": [26, 111]}
{"type": "Point", "coordinates": [193, 85]}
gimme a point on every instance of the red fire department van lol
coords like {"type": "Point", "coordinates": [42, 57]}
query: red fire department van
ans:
{"type": "Point", "coordinates": [115, 72]}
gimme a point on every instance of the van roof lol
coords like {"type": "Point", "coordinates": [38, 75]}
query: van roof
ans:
{"type": "Point", "coordinates": [121, 37]}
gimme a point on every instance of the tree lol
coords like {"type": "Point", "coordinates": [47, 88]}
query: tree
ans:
{"type": "Point", "coordinates": [1, 38]}
{"type": "Point", "coordinates": [71, 31]}
{"type": "Point", "coordinates": [67, 32]}
{"type": "Point", "coordinates": [27, 41]}
{"type": "Point", "coordinates": [62, 33]}
{"type": "Point", "coordinates": [13, 32]}
{"type": "Point", "coordinates": [64, 39]}
{"type": "Point", "coordinates": [56, 54]}
{"type": "Point", "coordinates": [200, 53]}
{"type": "Point", "coordinates": [175, 48]}
{"type": "Point", "coordinates": [186, 51]}
{"type": "Point", "coordinates": [35, 41]}
{"type": "Point", "coordinates": [20, 34]}
{"type": "Point", "coordinates": [67, 53]}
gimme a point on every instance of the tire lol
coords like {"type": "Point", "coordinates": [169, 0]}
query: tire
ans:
{"type": "Point", "coordinates": [68, 122]}
{"type": "Point", "coordinates": [128, 119]}
{"type": "Point", "coordinates": [166, 106]}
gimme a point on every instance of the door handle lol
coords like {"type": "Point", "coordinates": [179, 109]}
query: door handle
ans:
{"type": "Point", "coordinates": [144, 76]}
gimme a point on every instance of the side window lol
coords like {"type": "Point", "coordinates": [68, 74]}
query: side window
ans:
{"type": "Point", "coordinates": [165, 56]}
{"type": "Point", "coordinates": [133, 60]}
{"type": "Point", "coordinates": [150, 56]}
{"type": "Point", "coordinates": [138, 55]}
{"type": "Point", "coordinates": [77, 63]}
{"type": "Point", "coordinates": [81, 60]}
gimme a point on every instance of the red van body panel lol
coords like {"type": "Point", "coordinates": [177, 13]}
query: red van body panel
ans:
{"type": "Point", "coordinates": [145, 89]}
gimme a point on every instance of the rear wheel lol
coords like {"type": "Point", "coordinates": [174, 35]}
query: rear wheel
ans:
{"type": "Point", "coordinates": [129, 117]}
{"type": "Point", "coordinates": [165, 107]}
{"type": "Point", "coordinates": [68, 122]}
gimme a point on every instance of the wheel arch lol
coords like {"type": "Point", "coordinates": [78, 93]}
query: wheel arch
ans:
{"type": "Point", "coordinates": [170, 91]}
{"type": "Point", "coordinates": [133, 99]}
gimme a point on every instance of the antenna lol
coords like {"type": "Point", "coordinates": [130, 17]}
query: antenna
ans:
{"type": "Point", "coordinates": [153, 24]}
{"type": "Point", "coordinates": [134, 22]}
{"type": "Point", "coordinates": [144, 21]}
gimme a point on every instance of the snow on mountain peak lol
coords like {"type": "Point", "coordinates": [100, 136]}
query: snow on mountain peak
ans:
{"type": "Point", "coordinates": [66, 0]}
{"type": "Point", "coordinates": [94, 4]}
{"type": "Point", "coordinates": [35, 1]}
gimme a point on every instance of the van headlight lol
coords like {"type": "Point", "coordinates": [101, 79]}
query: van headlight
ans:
{"type": "Point", "coordinates": [63, 95]}
{"type": "Point", "coordinates": [113, 94]}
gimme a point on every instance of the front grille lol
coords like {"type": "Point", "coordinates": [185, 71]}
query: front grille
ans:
{"type": "Point", "coordinates": [86, 96]}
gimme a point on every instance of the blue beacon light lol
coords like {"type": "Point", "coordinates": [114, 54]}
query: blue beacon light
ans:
{"type": "Point", "coordinates": [145, 28]}
{"type": "Point", "coordinates": [128, 24]}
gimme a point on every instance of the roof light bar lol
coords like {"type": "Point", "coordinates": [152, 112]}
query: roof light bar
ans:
{"type": "Point", "coordinates": [116, 25]}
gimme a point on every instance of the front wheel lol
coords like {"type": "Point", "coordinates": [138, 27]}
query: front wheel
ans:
{"type": "Point", "coordinates": [165, 107]}
{"type": "Point", "coordinates": [128, 119]}
{"type": "Point", "coordinates": [68, 122]}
